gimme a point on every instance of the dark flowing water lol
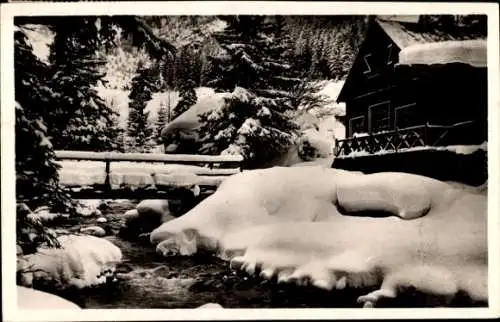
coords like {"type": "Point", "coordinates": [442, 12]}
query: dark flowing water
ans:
{"type": "Point", "coordinates": [146, 280]}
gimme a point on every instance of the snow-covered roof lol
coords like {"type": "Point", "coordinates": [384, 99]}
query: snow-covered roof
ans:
{"type": "Point", "coordinates": [471, 52]}
{"type": "Point", "coordinates": [405, 34]}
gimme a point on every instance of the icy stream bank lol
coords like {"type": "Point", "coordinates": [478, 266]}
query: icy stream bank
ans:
{"type": "Point", "coordinates": [146, 280]}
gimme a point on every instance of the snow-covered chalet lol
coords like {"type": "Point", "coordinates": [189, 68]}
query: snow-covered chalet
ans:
{"type": "Point", "coordinates": [416, 101]}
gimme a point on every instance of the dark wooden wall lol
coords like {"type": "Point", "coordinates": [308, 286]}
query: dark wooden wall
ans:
{"type": "Point", "coordinates": [470, 169]}
{"type": "Point", "coordinates": [441, 95]}
{"type": "Point", "coordinates": [371, 77]}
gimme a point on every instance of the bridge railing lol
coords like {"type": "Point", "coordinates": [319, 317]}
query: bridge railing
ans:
{"type": "Point", "coordinates": [208, 170]}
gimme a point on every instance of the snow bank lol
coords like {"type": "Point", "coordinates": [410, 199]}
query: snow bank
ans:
{"type": "Point", "coordinates": [471, 52]}
{"type": "Point", "coordinates": [31, 299]}
{"type": "Point", "coordinates": [82, 261]}
{"type": "Point", "coordinates": [287, 223]}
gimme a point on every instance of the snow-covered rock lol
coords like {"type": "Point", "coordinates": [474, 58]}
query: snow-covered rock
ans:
{"type": "Point", "coordinates": [101, 220]}
{"type": "Point", "coordinates": [148, 215]}
{"type": "Point", "coordinates": [93, 231]}
{"type": "Point", "coordinates": [43, 215]}
{"type": "Point", "coordinates": [154, 209]}
{"type": "Point", "coordinates": [288, 223]}
{"type": "Point", "coordinates": [82, 261]}
{"type": "Point", "coordinates": [89, 207]}
{"type": "Point", "coordinates": [28, 298]}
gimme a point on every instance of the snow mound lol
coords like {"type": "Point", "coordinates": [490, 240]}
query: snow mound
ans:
{"type": "Point", "coordinates": [82, 261]}
{"type": "Point", "coordinates": [471, 52]}
{"type": "Point", "coordinates": [287, 223]}
{"type": "Point", "coordinates": [31, 299]}
{"type": "Point", "coordinates": [210, 306]}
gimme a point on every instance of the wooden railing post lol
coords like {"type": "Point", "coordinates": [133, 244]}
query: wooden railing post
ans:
{"type": "Point", "coordinates": [396, 139]}
{"type": "Point", "coordinates": [426, 142]}
{"type": "Point", "coordinates": [107, 181]}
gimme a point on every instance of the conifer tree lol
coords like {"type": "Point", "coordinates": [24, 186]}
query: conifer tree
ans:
{"type": "Point", "coordinates": [161, 121]}
{"type": "Point", "coordinates": [37, 179]}
{"type": "Point", "coordinates": [187, 98]}
{"type": "Point", "coordinates": [82, 120]}
{"type": "Point", "coordinates": [257, 119]}
{"type": "Point", "coordinates": [144, 84]}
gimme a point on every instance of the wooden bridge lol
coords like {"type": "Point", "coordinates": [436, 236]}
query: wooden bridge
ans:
{"type": "Point", "coordinates": [113, 175]}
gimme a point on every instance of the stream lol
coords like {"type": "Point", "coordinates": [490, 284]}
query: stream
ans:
{"type": "Point", "coordinates": [145, 280]}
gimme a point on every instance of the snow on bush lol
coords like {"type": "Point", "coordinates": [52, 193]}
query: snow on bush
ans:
{"type": "Point", "coordinates": [82, 261]}
{"type": "Point", "coordinates": [313, 145]}
{"type": "Point", "coordinates": [31, 299]}
{"type": "Point", "coordinates": [286, 222]}
{"type": "Point", "coordinates": [40, 37]}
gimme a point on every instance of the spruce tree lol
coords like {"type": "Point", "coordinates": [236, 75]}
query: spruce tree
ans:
{"type": "Point", "coordinates": [144, 84]}
{"type": "Point", "coordinates": [257, 119]}
{"type": "Point", "coordinates": [37, 179]}
{"type": "Point", "coordinates": [81, 119]}
{"type": "Point", "coordinates": [161, 121]}
{"type": "Point", "coordinates": [187, 98]}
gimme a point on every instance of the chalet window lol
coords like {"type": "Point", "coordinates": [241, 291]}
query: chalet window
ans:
{"type": "Point", "coordinates": [379, 117]}
{"type": "Point", "coordinates": [406, 116]}
{"type": "Point", "coordinates": [357, 125]}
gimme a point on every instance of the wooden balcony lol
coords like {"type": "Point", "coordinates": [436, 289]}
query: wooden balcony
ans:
{"type": "Point", "coordinates": [426, 135]}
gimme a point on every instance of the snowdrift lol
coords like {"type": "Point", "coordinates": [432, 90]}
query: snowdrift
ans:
{"type": "Point", "coordinates": [82, 261]}
{"type": "Point", "coordinates": [313, 225]}
{"type": "Point", "coordinates": [31, 299]}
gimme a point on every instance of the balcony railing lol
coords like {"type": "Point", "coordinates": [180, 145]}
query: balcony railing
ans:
{"type": "Point", "coordinates": [464, 133]}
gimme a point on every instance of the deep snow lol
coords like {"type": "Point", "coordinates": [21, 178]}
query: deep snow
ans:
{"type": "Point", "coordinates": [82, 261]}
{"type": "Point", "coordinates": [287, 224]}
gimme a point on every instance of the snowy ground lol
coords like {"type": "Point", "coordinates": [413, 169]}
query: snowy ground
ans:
{"type": "Point", "coordinates": [286, 225]}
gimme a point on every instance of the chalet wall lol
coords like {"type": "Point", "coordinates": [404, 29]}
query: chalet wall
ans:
{"type": "Point", "coordinates": [413, 95]}
{"type": "Point", "coordinates": [454, 93]}
{"type": "Point", "coordinates": [470, 169]}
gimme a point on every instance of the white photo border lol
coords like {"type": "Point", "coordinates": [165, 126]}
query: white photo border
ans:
{"type": "Point", "coordinates": [11, 10]}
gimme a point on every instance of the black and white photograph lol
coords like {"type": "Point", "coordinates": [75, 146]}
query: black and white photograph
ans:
{"type": "Point", "coordinates": [250, 158]}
